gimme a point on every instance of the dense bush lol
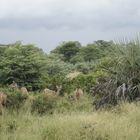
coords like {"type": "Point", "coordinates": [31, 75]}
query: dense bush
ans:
{"type": "Point", "coordinates": [68, 50]}
{"type": "Point", "coordinates": [24, 64]}
{"type": "Point", "coordinates": [87, 54]}
{"type": "Point", "coordinates": [122, 66]}
{"type": "Point", "coordinates": [73, 66]}
{"type": "Point", "coordinates": [15, 99]}
{"type": "Point", "coordinates": [85, 67]}
{"type": "Point", "coordinates": [44, 104]}
{"type": "Point", "coordinates": [29, 66]}
{"type": "Point", "coordinates": [83, 81]}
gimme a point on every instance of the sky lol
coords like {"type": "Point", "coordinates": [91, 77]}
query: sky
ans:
{"type": "Point", "coordinates": [46, 23]}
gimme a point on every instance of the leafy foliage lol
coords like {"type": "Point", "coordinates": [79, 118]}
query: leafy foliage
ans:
{"type": "Point", "coordinates": [15, 99]}
{"type": "Point", "coordinates": [109, 71]}
{"type": "Point", "coordinates": [122, 65]}
{"type": "Point", "coordinates": [23, 64]}
{"type": "Point", "coordinates": [88, 53]}
{"type": "Point", "coordinates": [68, 50]}
{"type": "Point", "coordinates": [44, 104]}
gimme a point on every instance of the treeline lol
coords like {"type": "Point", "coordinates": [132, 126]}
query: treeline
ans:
{"type": "Point", "coordinates": [107, 70]}
{"type": "Point", "coordinates": [29, 66]}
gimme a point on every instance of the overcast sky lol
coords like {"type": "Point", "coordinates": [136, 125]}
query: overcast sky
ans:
{"type": "Point", "coordinates": [46, 23]}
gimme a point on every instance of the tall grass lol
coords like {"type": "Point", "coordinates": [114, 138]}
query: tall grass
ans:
{"type": "Point", "coordinates": [122, 123]}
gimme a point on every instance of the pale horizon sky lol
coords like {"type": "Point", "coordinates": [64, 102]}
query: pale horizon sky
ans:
{"type": "Point", "coordinates": [46, 23]}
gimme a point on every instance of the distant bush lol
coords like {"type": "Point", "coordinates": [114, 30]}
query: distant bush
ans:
{"type": "Point", "coordinates": [15, 99]}
{"type": "Point", "coordinates": [85, 67]}
{"type": "Point", "coordinates": [44, 104]}
{"type": "Point", "coordinates": [83, 81]}
{"type": "Point", "coordinates": [25, 64]}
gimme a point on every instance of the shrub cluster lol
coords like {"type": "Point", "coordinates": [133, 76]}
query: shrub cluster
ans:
{"type": "Point", "coordinates": [15, 99]}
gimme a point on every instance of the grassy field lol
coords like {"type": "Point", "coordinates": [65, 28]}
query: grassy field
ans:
{"type": "Point", "coordinates": [121, 123]}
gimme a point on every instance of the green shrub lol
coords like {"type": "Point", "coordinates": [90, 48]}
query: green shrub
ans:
{"type": "Point", "coordinates": [123, 81]}
{"type": "Point", "coordinates": [15, 100]}
{"type": "Point", "coordinates": [44, 104]}
{"type": "Point", "coordinates": [25, 64]}
{"type": "Point", "coordinates": [83, 81]}
{"type": "Point", "coordinates": [85, 67]}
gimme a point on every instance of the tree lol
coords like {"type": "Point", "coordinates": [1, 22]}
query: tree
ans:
{"type": "Point", "coordinates": [103, 44]}
{"type": "Point", "coordinates": [24, 64]}
{"type": "Point", "coordinates": [57, 70]}
{"type": "Point", "coordinates": [88, 53]}
{"type": "Point", "coordinates": [68, 50]}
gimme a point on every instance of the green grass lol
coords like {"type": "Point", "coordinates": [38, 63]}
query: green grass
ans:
{"type": "Point", "coordinates": [122, 123]}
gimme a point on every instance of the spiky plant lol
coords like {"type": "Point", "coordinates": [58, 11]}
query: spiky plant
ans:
{"type": "Point", "coordinates": [123, 67]}
{"type": "Point", "coordinates": [126, 59]}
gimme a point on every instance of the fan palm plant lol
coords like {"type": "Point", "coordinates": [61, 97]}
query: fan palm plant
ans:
{"type": "Point", "coordinates": [123, 66]}
{"type": "Point", "coordinates": [126, 58]}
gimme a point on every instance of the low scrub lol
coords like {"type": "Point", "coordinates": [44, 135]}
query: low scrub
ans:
{"type": "Point", "coordinates": [44, 104]}
{"type": "Point", "coordinates": [15, 99]}
{"type": "Point", "coordinates": [55, 104]}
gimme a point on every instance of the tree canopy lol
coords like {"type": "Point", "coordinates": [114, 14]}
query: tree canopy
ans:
{"type": "Point", "coordinates": [24, 64]}
{"type": "Point", "coordinates": [68, 49]}
{"type": "Point", "coordinates": [29, 66]}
